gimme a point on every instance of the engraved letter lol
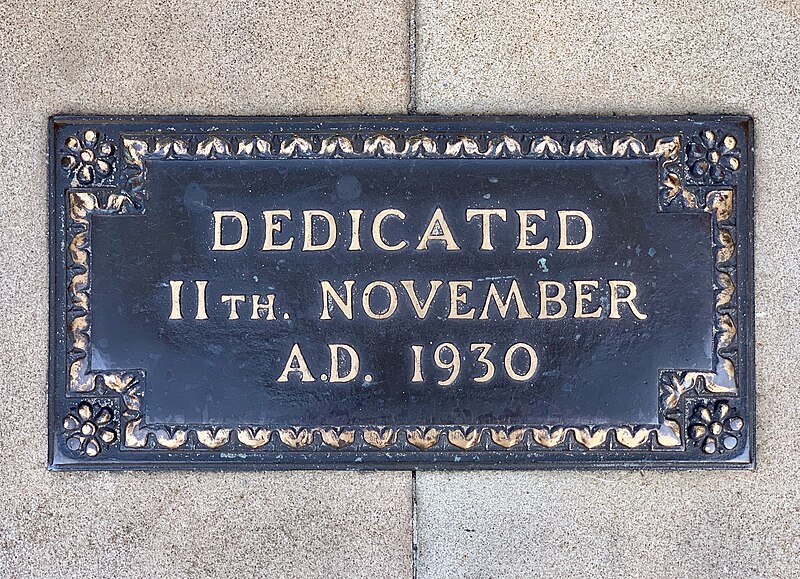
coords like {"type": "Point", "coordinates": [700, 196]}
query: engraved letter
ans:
{"type": "Point", "coordinates": [218, 217]}
{"type": "Point", "coordinates": [485, 215]}
{"type": "Point", "coordinates": [617, 299]}
{"type": "Point", "coordinates": [345, 304]}
{"type": "Point", "coordinates": [438, 230]}
{"type": "Point", "coordinates": [587, 223]}
{"type": "Point", "coordinates": [272, 225]}
{"type": "Point", "coordinates": [296, 363]}
{"type": "Point", "coordinates": [526, 228]}
{"type": "Point", "coordinates": [308, 230]}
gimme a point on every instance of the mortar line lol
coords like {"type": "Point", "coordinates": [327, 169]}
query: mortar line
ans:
{"type": "Point", "coordinates": [412, 57]}
{"type": "Point", "coordinates": [414, 545]}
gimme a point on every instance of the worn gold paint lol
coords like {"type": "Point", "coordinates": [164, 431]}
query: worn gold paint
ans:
{"type": "Point", "coordinates": [214, 439]}
{"type": "Point", "coordinates": [464, 440]}
{"type": "Point", "coordinates": [380, 438]}
{"type": "Point", "coordinates": [549, 438]}
{"type": "Point", "coordinates": [590, 439]}
{"type": "Point", "coordinates": [136, 436]}
{"type": "Point", "coordinates": [296, 438]}
{"type": "Point", "coordinates": [720, 204]}
{"type": "Point", "coordinates": [423, 438]}
{"type": "Point", "coordinates": [508, 439]}
{"type": "Point", "coordinates": [632, 439]}
{"type": "Point", "coordinates": [669, 434]}
{"type": "Point", "coordinates": [254, 438]}
{"type": "Point", "coordinates": [336, 439]}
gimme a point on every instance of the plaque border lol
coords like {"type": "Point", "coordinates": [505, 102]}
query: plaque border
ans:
{"type": "Point", "coordinates": [99, 166]}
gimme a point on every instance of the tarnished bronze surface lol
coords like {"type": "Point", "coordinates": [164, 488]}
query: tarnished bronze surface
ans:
{"type": "Point", "coordinates": [401, 293]}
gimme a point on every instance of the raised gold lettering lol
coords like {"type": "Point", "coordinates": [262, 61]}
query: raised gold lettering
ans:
{"type": "Point", "coordinates": [545, 299]}
{"type": "Point", "coordinates": [243, 230]}
{"type": "Point", "coordinates": [533, 362]}
{"type": "Point", "coordinates": [355, 235]}
{"type": "Point", "coordinates": [296, 364]}
{"type": "Point", "coordinates": [201, 300]}
{"type": "Point", "coordinates": [582, 297]}
{"type": "Point", "coordinates": [617, 299]}
{"type": "Point", "coordinates": [234, 300]}
{"type": "Point", "coordinates": [273, 225]}
{"type": "Point", "coordinates": [438, 230]}
{"type": "Point", "coordinates": [309, 218]}
{"type": "Point", "coordinates": [527, 228]}
{"type": "Point", "coordinates": [457, 298]}
{"type": "Point", "coordinates": [563, 217]}
{"type": "Point", "coordinates": [377, 229]}
{"type": "Point", "coordinates": [417, 376]}
{"type": "Point", "coordinates": [421, 308]}
{"type": "Point", "coordinates": [367, 305]}
{"type": "Point", "coordinates": [175, 290]}
{"type": "Point", "coordinates": [351, 357]}
{"type": "Point", "coordinates": [258, 307]}
{"type": "Point", "coordinates": [486, 229]}
{"type": "Point", "coordinates": [502, 306]}
{"type": "Point", "coordinates": [345, 304]}
{"type": "Point", "coordinates": [484, 351]}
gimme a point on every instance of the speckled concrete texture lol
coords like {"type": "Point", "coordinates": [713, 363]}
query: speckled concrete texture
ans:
{"type": "Point", "coordinates": [513, 57]}
{"type": "Point", "coordinates": [209, 57]}
{"type": "Point", "coordinates": [477, 57]}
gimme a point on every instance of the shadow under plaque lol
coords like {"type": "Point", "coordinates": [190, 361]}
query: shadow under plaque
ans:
{"type": "Point", "coordinates": [418, 292]}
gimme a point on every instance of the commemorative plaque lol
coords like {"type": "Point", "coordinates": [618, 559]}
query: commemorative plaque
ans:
{"type": "Point", "coordinates": [407, 292]}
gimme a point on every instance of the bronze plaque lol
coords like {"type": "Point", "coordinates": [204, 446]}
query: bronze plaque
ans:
{"type": "Point", "coordinates": [414, 292]}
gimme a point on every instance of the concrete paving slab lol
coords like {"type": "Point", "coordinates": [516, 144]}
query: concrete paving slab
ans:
{"type": "Point", "coordinates": [202, 57]}
{"type": "Point", "coordinates": [634, 58]}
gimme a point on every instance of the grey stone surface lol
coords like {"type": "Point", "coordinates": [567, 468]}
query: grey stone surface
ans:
{"type": "Point", "coordinates": [478, 57]}
{"type": "Point", "coordinates": [210, 57]}
{"type": "Point", "coordinates": [515, 57]}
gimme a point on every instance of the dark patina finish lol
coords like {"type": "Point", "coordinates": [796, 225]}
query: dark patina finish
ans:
{"type": "Point", "coordinates": [405, 292]}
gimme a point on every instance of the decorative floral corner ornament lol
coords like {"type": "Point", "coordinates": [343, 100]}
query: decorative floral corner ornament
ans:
{"type": "Point", "coordinates": [89, 429]}
{"type": "Point", "coordinates": [715, 428]}
{"type": "Point", "coordinates": [88, 158]}
{"type": "Point", "coordinates": [711, 158]}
